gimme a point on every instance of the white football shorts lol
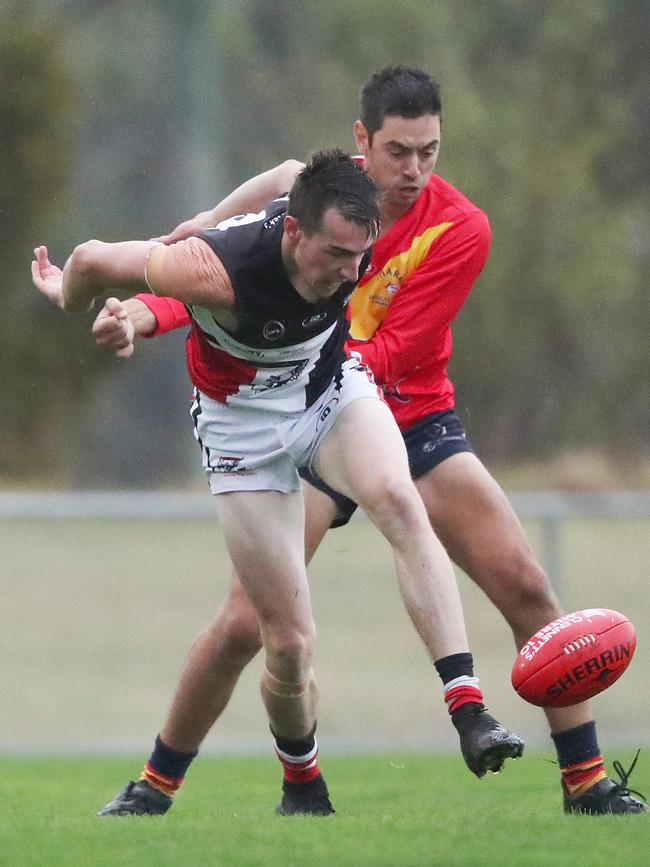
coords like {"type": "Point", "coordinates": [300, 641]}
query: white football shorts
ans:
{"type": "Point", "coordinates": [260, 450]}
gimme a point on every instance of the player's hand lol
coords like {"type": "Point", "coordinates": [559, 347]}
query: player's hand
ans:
{"type": "Point", "coordinates": [47, 278]}
{"type": "Point", "coordinates": [188, 229]}
{"type": "Point", "coordinates": [113, 329]}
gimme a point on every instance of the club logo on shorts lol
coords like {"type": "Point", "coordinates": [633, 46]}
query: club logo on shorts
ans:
{"type": "Point", "coordinates": [311, 321]}
{"type": "Point", "coordinates": [327, 409]}
{"type": "Point", "coordinates": [227, 464]}
{"type": "Point", "coordinates": [273, 330]}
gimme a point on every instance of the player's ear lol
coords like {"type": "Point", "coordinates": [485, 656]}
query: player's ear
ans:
{"type": "Point", "coordinates": [361, 137]}
{"type": "Point", "coordinates": [292, 227]}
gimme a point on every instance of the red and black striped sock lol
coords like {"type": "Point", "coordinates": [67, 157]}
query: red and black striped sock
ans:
{"type": "Point", "coordinates": [461, 687]}
{"type": "Point", "coordinates": [299, 758]}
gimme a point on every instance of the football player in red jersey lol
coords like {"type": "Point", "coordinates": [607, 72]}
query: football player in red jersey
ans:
{"type": "Point", "coordinates": [433, 245]}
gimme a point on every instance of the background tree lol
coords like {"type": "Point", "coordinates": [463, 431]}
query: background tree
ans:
{"type": "Point", "coordinates": [41, 373]}
{"type": "Point", "coordinates": [120, 120]}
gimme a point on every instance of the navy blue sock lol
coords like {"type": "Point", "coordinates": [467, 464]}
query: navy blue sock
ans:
{"type": "Point", "coordinates": [166, 767]}
{"type": "Point", "coordinates": [577, 744]}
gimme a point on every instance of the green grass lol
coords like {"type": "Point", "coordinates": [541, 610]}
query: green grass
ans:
{"type": "Point", "coordinates": [95, 622]}
{"type": "Point", "coordinates": [404, 810]}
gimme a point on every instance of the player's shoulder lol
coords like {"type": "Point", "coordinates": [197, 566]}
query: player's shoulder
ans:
{"type": "Point", "coordinates": [248, 235]}
{"type": "Point", "coordinates": [448, 203]}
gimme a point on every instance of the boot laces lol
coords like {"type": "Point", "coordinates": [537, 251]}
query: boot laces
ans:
{"type": "Point", "coordinates": [624, 777]}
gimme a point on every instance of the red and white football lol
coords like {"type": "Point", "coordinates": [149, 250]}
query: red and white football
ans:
{"type": "Point", "coordinates": [574, 657]}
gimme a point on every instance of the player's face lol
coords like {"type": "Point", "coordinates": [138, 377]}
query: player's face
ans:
{"type": "Point", "coordinates": [320, 263]}
{"type": "Point", "coordinates": [401, 156]}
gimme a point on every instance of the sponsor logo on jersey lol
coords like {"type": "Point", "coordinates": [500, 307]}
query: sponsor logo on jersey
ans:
{"type": "Point", "coordinates": [272, 221]}
{"type": "Point", "coordinates": [313, 320]}
{"type": "Point", "coordinates": [273, 330]}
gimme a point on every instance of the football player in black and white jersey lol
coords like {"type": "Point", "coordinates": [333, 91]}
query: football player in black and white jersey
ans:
{"type": "Point", "coordinates": [274, 392]}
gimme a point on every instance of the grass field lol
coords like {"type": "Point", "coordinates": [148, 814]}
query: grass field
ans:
{"type": "Point", "coordinates": [95, 622]}
{"type": "Point", "coordinates": [396, 810]}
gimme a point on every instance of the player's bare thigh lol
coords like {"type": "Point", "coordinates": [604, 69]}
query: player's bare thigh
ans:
{"type": "Point", "coordinates": [320, 511]}
{"type": "Point", "coordinates": [264, 536]}
{"type": "Point", "coordinates": [362, 451]}
{"type": "Point", "coordinates": [473, 517]}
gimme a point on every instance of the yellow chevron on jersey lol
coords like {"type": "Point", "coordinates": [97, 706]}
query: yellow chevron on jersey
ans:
{"type": "Point", "coordinates": [372, 298]}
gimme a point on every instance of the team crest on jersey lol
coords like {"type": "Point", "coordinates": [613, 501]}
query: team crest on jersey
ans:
{"type": "Point", "coordinates": [273, 330]}
{"type": "Point", "coordinates": [277, 380]}
{"type": "Point", "coordinates": [311, 321]}
{"type": "Point", "coordinates": [393, 392]}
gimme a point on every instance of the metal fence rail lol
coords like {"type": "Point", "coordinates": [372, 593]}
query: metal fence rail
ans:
{"type": "Point", "coordinates": [154, 505]}
{"type": "Point", "coordinates": [550, 508]}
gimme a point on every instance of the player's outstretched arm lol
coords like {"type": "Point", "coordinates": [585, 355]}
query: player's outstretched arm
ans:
{"type": "Point", "coordinates": [92, 269]}
{"type": "Point", "coordinates": [249, 197]}
{"type": "Point", "coordinates": [119, 322]}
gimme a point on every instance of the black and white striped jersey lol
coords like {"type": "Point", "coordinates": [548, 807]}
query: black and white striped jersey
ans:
{"type": "Point", "coordinates": [283, 351]}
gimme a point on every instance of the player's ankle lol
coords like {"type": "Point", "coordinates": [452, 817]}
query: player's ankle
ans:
{"type": "Point", "coordinates": [299, 758]}
{"type": "Point", "coordinates": [461, 686]}
{"type": "Point", "coordinates": [579, 757]}
{"type": "Point", "coordinates": [166, 768]}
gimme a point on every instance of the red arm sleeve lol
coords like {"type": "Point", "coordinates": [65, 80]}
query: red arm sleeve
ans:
{"type": "Point", "coordinates": [170, 313]}
{"type": "Point", "coordinates": [428, 301]}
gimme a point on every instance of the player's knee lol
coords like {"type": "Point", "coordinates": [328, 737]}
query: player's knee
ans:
{"type": "Point", "coordinates": [290, 650]}
{"type": "Point", "coordinates": [395, 506]}
{"type": "Point", "coordinates": [529, 599]}
{"type": "Point", "coordinates": [241, 634]}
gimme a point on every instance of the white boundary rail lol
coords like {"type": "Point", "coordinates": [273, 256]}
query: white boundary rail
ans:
{"type": "Point", "coordinates": [550, 508]}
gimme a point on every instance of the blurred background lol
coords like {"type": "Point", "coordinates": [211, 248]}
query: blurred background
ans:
{"type": "Point", "coordinates": [119, 120]}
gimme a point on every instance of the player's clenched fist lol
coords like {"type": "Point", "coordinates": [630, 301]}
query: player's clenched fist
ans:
{"type": "Point", "coordinates": [113, 329]}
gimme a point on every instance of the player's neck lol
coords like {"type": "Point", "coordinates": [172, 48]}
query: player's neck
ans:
{"type": "Point", "coordinates": [391, 212]}
{"type": "Point", "coordinates": [389, 216]}
{"type": "Point", "coordinates": [292, 272]}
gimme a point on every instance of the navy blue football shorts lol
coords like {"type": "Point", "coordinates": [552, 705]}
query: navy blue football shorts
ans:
{"type": "Point", "coordinates": [428, 443]}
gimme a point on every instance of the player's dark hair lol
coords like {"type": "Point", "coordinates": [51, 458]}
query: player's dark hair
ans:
{"type": "Point", "coordinates": [398, 90]}
{"type": "Point", "coordinates": [331, 179]}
